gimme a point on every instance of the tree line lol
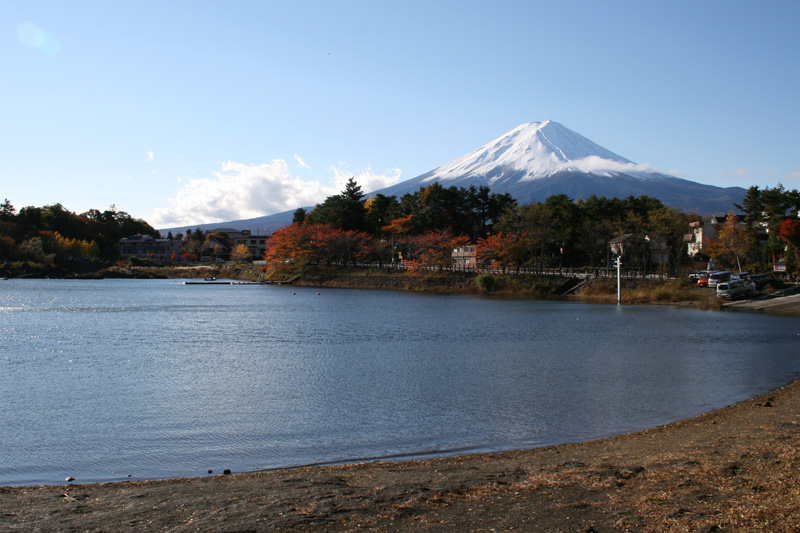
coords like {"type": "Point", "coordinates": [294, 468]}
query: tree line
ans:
{"type": "Point", "coordinates": [53, 234]}
{"type": "Point", "coordinates": [421, 229]}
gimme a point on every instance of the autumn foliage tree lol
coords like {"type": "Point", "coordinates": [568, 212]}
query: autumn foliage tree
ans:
{"type": "Point", "coordinates": [298, 245]}
{"type": "Point", "coordinates": [399, 226]}
{"type": "Point", "coordinates": [74, 248]}
{"type": "Point", "coordinates": [503, 250]}
{"type": "Point", "coordinates": [789, 232]}
{"type": "Point", "coordinates": [241, 254]}
{"type": "Point", "coordinates": [732, 243]}
{"type": "Point", "coordinates": [291, 247]}
{"type": "Point", "coordinates": [433, 249]}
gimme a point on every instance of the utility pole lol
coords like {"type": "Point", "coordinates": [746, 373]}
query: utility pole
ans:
{"type": "Point", "coordinates": [619, 291]}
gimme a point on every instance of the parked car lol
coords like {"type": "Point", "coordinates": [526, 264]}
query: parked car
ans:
{"type": "Point", "coordinates": [697, 276]}
{"type": "Point", "coordinates": [741, 275]}
{"type": "Point", "coordinates": [715, 278]}
{"type": "Point", "coordinates": [735, 288]}
{"type": "Point", "coordinates": [706, 276]}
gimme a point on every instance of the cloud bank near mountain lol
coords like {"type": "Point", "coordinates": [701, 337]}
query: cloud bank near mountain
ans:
{"type": "Point", "coordinates": [241, 191]}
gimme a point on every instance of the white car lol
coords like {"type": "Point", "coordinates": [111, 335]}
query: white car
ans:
{"type": "Point", "coordinates": [735, 288]}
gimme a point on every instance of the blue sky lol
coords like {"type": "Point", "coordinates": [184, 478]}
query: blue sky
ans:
{"type": "Point", "coordinates": [184, 112]}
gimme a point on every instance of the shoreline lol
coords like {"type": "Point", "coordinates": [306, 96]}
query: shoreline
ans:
{"type": "Point", "coordinates": [731, 469]}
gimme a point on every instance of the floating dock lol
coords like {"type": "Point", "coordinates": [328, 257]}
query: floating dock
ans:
{"type": "Point", "coordinates": [265, 282]}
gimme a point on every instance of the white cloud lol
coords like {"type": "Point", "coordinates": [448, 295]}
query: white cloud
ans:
{"type": "Point", "coordinates": [678, 173]}
{"type": "Point", "coordinates": [367, 179]}
{"type": "Point", "coordinates": [242, 191]}
{"type": "Point", "coordinates": [793, 175]}
{"type": "Point", "coordinates": [749, 175]}
{"type": "Point", "coordinates": [149, 156]}
{"type": "Point", "coordinates": [595, 163]}
{"type": "Point", "coordinates": [239, 191]}
{"type": "Point", "coordinates": [300, 162]}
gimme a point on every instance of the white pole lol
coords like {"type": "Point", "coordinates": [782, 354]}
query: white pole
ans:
{"type": "Point", "coordinates": [619, 292]}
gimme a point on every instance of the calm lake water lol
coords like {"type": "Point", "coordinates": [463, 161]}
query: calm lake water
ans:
{"type": "Point", "coordinates": [137, 379]}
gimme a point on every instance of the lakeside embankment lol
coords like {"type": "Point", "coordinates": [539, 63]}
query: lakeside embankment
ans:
{"type": "Point", "coordinates": [601, 290]}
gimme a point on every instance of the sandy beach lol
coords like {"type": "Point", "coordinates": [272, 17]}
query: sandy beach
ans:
{"type": "Point", "coordinates": [734, 469]}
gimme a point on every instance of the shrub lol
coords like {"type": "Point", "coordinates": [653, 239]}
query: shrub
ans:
{"type": "Point", "coordinates": [486, 282]}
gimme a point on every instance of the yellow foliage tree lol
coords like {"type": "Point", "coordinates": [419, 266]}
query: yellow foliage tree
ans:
{"type": "Point", "coordinates": [732, 243]}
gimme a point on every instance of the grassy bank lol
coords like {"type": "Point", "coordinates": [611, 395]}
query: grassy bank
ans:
{"type": "Point", "coordinates": [678, 292]}
{"type": "Point", "coordinates": [675, 292]}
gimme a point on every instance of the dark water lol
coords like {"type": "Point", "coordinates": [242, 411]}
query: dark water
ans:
{"type": "Point", "coordinates": [101, 380]}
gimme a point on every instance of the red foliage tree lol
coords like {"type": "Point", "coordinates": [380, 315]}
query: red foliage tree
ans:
{"type": "Point", "coordinates": [789, 231]}
{"type": "Point", "coordinates": [433, 249]}
{"type": "Point", "coordinates": [290, 245]}
{"type": "Point", "coordinates": [502, 250]}
{"type": "Point", "coordinates": [302, 244]}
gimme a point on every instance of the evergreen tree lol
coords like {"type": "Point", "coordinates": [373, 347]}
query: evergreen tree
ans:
{"type": "Point", "coordinates": [7, 211]}
{"type": "Point", "coordinates": [343, 211]}
{"type": "Point", "coordinates": [299, 216]}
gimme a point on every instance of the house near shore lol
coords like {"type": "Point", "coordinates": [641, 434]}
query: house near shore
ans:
{"type": "Point", "coordinates": [146, 247]}
{"type": "Point", "coordinates": [700, 233]}
{"type": "Point", "coordinates": [464, 258]}
{"type": "Point", "coordinates": [217, 243]}
{"type": "Point", "coordinates": [257, 245]}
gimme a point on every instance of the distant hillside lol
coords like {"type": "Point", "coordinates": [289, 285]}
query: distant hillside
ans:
{"type": "Point", "coordinates": [258, 226]}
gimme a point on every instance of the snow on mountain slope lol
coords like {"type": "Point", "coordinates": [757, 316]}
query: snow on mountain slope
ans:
{"type": "Point", "coordinates": [539, 159]}
{"type": "Point", "coordinates": [531, 151]}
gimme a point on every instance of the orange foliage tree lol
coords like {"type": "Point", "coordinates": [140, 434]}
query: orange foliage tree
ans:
{"type": "Point", "coordinates": [733, 243]}
{"type": "Point", "coordinates": [298, 245]}
{"type": "Point", "coordinates": [290, 246]}
{"type": "Point", "coordinates": [502, 250]}
{"type": "Point", "coordinates": [399, 226]}
{"type": "Point", "coordinates": [433, 249]}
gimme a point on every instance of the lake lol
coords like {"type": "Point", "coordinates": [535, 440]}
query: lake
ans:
{"type": "Point", "coordinates": [107, 380]}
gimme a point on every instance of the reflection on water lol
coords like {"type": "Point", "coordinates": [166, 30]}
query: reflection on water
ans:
{"type": "Point", "coordinates": [110, 378]}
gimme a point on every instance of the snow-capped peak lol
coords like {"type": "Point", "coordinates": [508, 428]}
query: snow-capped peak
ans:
{"type": "Point", "coordinates": [536, 150]}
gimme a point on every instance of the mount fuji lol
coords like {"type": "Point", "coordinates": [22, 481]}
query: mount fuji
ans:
{"type": "Point", "coordinates": [540, 159]}
{"type": "Point", "coordinates": [537, 160]}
